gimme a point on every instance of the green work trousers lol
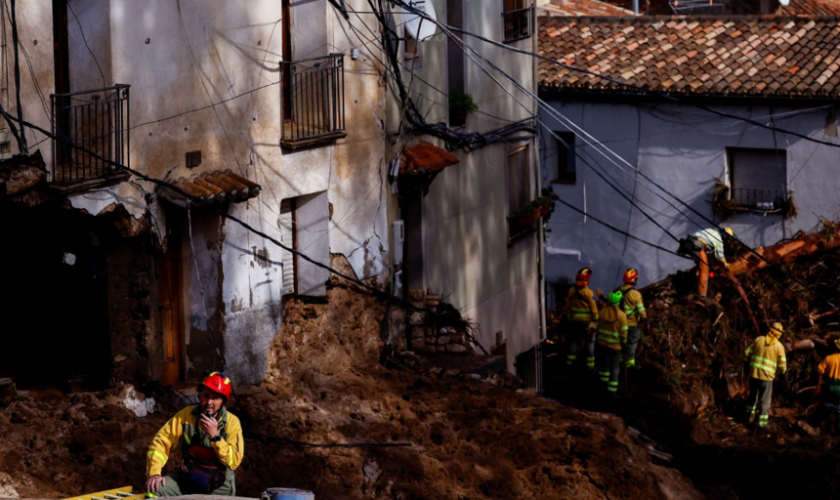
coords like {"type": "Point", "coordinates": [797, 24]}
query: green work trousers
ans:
{"type": "Point", "coordinates": [580, 343]}
{"type": "Point", "coordinates": [761, 394]}
{"type": "Point", "coordinates": [633, 336]}
{"type": "Point", "coordinates": [176, 485]}
{"type": "Point", "coordinates": [609, 363]}
{"type": "Point", "coordinates": [830, 402]}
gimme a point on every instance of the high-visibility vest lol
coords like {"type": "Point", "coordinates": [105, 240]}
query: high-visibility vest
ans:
{"type": "Point", "coordinates": [612, 328]}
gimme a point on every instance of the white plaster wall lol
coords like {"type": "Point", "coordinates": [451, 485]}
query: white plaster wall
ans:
{"type": "Point", "coordinates": [34, 19]}
{"type": "Point", "coordinates": [203, 76]}
{"type": "Point", "coordinates": [465, 243]}
{"type": "Point", "coordinates": [684, 150]}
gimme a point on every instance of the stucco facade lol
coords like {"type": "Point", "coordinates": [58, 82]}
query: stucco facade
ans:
{"type": "Point", "coordinates": [684, 149]}
{"type": "Point", "coordinates": [204, 76]}
{"type": "Point", "coordinates": [461, 224]}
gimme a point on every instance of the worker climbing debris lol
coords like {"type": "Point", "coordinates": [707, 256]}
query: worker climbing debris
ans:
{"type": "Point", "coordinates": [210, 438]}
{"type": "Point", "coordinates": [581, 315]}
{"type": "Point", "coordinates": [829, 387]}
{"type": "Point", "coordinates": [765, 356]}
{"type": "Point", "coordinates": [699, 245]}
{"type": "Point", "coordinates": [612, 336]}
{"type": "Point", "coordinates": [634, 308]}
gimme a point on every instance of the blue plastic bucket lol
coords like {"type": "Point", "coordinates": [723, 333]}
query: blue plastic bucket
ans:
{"type": "Point", "coordinates": [287, 494]}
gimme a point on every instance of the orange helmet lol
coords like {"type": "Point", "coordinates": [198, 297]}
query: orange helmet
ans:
{"type": "Point", "coordinates": [217, 382]}
{"type": "Point", "coordinates": [583, 276]}
{"type": "Point", "coordinates": [631, 276]}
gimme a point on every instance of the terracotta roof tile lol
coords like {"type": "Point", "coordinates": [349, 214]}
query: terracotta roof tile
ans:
{"type": "Point", "coordinates": [219, 186]}
{"type": "Point", "coordinates": [737, 56]}
{"type": "Point", "coordinates": [425, 158]}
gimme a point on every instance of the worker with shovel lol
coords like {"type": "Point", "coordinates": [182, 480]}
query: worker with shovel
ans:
{"type": "Point", "coordinates": [581, 316]}
{"type": "Point", "coordinates": [699, 245]}
{"type": "Point", "coordinates": [210, 438]}
{"type": "Point", "coordinates": [766, 356]}
{"type": "Point", "coordinates": [829, 388]}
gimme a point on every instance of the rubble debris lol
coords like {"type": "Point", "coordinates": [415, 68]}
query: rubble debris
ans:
{"type": "Point", "coordinates": [8, 392]}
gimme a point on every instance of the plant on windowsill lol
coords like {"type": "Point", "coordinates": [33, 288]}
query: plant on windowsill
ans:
{"type": "Point", "coordinates": [528, 214]}
{"type": "Point", "coordinates": [722, 204]}
{"type": "Point", "coordinates": [460, 105]}
{"type": "Point", "coordinates": [549, 202]}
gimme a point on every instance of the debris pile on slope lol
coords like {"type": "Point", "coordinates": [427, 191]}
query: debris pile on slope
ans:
{"type": "Point", "coordinates": [692, 389]}
{"type": "Point", "coordinates": [467, 438]}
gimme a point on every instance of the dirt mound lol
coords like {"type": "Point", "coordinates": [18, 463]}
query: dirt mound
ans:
{"type": "Point", "coordinates": [55, 445]}
{"type": "Point", "coordinates": [691, 391]}
{"type": "Point", "coordinates": [468, 439]}
{"type": "Point", "coordinates": [464, 438]}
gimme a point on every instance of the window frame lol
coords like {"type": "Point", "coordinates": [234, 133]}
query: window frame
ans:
{"type": "Point", "coordinates": [565, 176]}
{"type": "Point", "coordinates": [779, 195]}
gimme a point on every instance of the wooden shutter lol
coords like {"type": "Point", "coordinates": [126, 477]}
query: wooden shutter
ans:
{"type": "Point", "coordinates": [287, 238]}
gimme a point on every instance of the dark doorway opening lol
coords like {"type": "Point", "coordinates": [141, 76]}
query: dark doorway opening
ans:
{"type": "Point", "coordinates": [54, 328]}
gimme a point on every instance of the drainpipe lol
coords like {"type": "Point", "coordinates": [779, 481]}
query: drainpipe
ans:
{"type": "Point", "coordinates": [636, 7]}
{"type": "Point", "coordinates": [538, 176]}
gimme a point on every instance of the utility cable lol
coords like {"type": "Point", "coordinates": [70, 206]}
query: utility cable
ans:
{"type": "Point", "coordinates": [645, 91]}
{"type": "Point", "coordinates": [702, 216]}
{"type": "Point", "coordinates": [330, 445]}
{"type": "Point", "coordinates": [164, 184]}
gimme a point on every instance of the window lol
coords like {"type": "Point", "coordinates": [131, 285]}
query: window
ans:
{"type": "Point", "coordinates": [757, 177]}
{"type": "Point", "coordinates": [517, 18]}
{"type": "Point", "coordinates": [304, 226]}
{"type": "Point", "coordinates": [519, 193]}
{"type": "Point", "coordinates": [519, 179]}
{"type": "Point", "coordinates": [560, 158]}
{"type": "Point", "coordinates": [455, 60]}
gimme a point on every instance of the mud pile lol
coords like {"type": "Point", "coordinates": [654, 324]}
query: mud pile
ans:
{"type": "Point", "coordinates": [464, 438]}
{"type": "Point", "coordinates": [57, 445]}
{"type": "Point", "coordinates": [467, 439]}
{"type": "Point", "coordinates": [692, 388]}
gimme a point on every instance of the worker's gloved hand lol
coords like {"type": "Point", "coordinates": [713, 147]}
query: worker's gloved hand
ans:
{"type": "Point", "coordinates": [154, 483]}
{"type": "Point", "coordinates": [726, 265]}
{"type": "Point", "coordinates": [592, 326]}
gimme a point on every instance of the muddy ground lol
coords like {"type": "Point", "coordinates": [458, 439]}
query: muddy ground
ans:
{"type": "Point", "coordinates": [691, 389]}
{"type": "Point", "coordinates": [466, 438]}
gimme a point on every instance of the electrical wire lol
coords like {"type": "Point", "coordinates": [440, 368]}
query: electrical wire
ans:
{"type": "Point", "coordinates": [541, 102]}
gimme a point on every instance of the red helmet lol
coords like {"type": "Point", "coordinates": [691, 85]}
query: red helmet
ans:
{"type": "Point", "coordinates": [217, 382]}
{"type": "Point", "coordinates": [583, 276]}
{"type": "Point", "coordinates": [631, 276]}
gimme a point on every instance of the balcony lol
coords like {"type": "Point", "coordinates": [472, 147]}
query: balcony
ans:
{"type": "Point", "coordinates": [313, 101]}
{"type": "Point", "coordinates": [758, 199]}
{"type": "Point", "coordinates": [97, 121]}
{"type": "Point", "coordinates": [518, 24]}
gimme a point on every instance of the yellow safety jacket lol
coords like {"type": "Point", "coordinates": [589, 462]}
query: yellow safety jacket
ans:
{"type": "Point", "coordinates": [580, 304]}
{"type": "Point", "coordinates": [183, 428]}
{"type": "Point", "coordinates": [632, 305]}
{"type": "Point", "coordinates": [612, 328]}
{"type": "Point", "coordinates": [829, 370]}
{"type": "Point", "coordinates": [766, 355]}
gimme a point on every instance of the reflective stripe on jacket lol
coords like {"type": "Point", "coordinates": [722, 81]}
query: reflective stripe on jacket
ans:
{"type": "Point", "coordinates": [183, 428]}
{"type": "Point", "coordinates": [713, 240]}
{"type": "Point", "coordinates": [612, 328]}
{"type": "Point", "coordinates": [829, 369]}
{"type": "Point", "coordinates": [632, 305]}
{"type": "Point", "coordinates": [766, 355]}
{"type": "Point", "coordinates": [580, 305]}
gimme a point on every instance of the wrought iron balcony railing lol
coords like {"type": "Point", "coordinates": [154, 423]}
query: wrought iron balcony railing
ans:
{"type": "Point", "coordinates": [761, 199]}
{"type": "Point", "coordinates": [313, 101]}
{"type": "Point", "coordinates": [518, 24]}
{"type": "Point", "coordinates": [92, 121]}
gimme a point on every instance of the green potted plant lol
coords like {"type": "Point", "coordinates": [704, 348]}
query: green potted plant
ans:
{"type": "Point", "coordinates": [460, 105]}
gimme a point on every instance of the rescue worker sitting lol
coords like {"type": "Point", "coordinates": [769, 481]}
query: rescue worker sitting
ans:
{"type": "Point", "coordinates": [581, 314]}
{"type": "Point", "coordinates": [210, 439]}
{"type": "Point", "coordinates": [700, 244]}
{"type": "Point", "coordinates": [766, 356]}
{"type": "Point", "coordinates": [634, 309]}
{"type": "Point", "coordinates": [612, 335]}
{"type": "Point", "coordinates": [829, 388]}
